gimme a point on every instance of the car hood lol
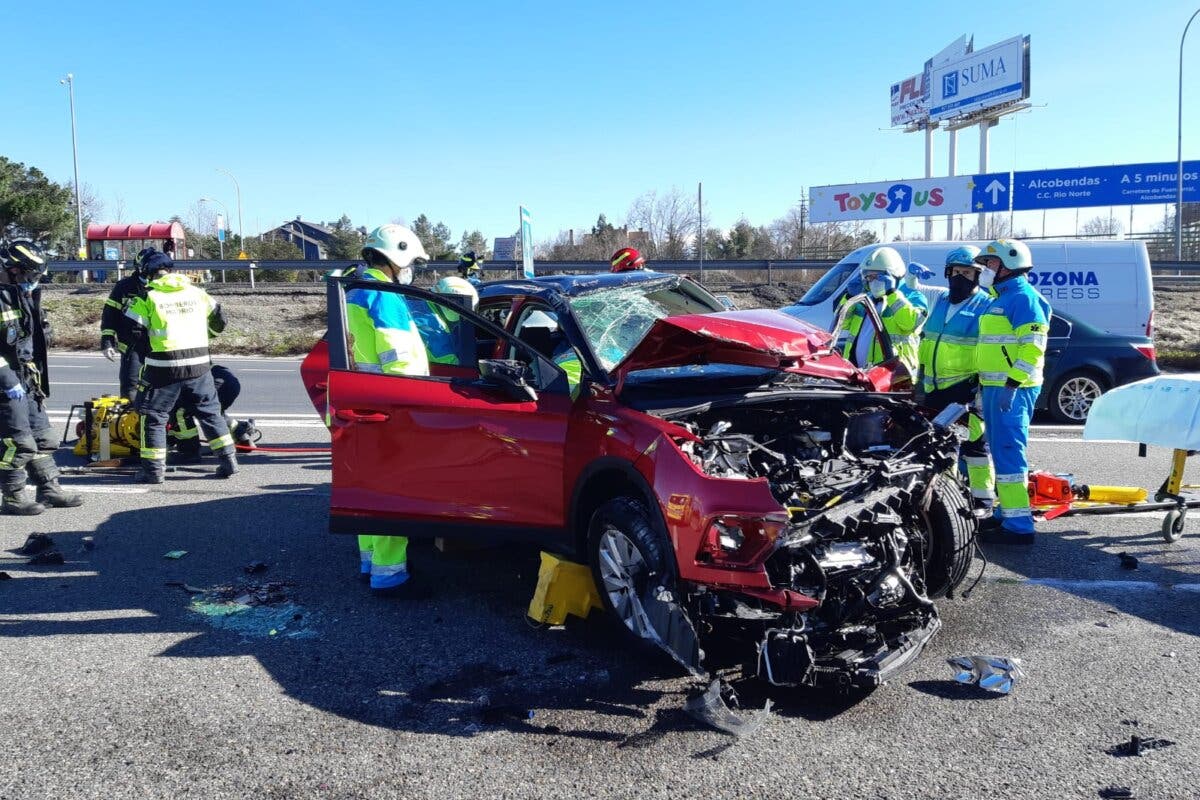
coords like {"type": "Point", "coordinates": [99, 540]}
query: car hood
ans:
{"type": "Point", "coordinates": [758, 338]}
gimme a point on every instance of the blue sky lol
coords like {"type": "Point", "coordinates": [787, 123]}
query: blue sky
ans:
{"type": "Point", "coordinates": [463, 110]}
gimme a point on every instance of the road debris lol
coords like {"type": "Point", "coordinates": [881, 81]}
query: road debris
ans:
{"type": "Point", "coordinates": [35, 543]}
{"type": "Point", "coordinates": [1127, 561]}
{"type": "Point", "coordinates": [712, 708]}
{"type": "Point", "coordinates": [1137, 746]}
{"type": "Point", "coordinates": [89, 542]}
{"type": "Point", "coordinates": [994, 673]}
{"type": "Point", "coordinates": [186, 587]}
{"type": "Point", "coordinates": [175, 554]}
{"type": "Point", "coordinates": [265, 610]}
{"type": "Point", "coordinates": [1116, 793]}
{"type": "Point", "coordinates": [50, 559]}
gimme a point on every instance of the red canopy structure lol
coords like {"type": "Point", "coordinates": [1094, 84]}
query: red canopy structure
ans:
{"type": "Point", "coordinates": [148, 233]}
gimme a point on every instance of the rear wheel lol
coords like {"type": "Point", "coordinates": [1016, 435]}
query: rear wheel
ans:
{"type": "Point", "coordinates": [628, 557]}
{"type": "Point", "coordinates": [952, 530]}
{"type": "Point", "coordinates": [1073, 396]}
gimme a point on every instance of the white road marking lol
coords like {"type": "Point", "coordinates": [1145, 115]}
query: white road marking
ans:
{"type": "Point", "coordinates": [85, 489]}
{"type": "Point", "coordinates": [112, 386]}
{"type": "Point", "coordinates": [59, 575]}
{"type": "Point", "coordinates": [80, 616]}
{"type": "Point", "coordinates": [291, 371]}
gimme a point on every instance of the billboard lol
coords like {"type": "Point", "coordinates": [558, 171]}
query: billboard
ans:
{"type": "Point", "coordinates": [526, 243]}
{"type": "Point", "coordinates": [984, 79]}
{"type": "Point", "coordinates": [921, 197]}
{"type": "Point", "coordinates": [910, 100]}
{"type": "Point", "coordinates": [1120, 185]}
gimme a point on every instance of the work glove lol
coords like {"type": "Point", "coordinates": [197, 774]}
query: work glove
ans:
{"type": "Point", "coordinates": [15, 393]}
{"type": "Point", "coordinates": [916, 274]}
{"type": "Point", "coordinates": [110, 353]}
{"type": "Point", "coordinates": [1007, 395]}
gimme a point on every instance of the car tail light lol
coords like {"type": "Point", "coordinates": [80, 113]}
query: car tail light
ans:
{"type": "Point", "coordinates": [738, 541]}
{"type": "Point", "coordinates": [1150, 326]}
{"type": "Point", "coordinates": [1147, 350]}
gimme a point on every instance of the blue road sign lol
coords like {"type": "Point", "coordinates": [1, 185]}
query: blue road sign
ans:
{"type": "Point", "coordinates": [1121, 185]}
{"type": "Point", "coordinates": [526, 243]}
{"type": "Point", "coordinates": [990, 192]}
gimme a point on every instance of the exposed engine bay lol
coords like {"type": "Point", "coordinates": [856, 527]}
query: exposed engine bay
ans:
{"type": "Point", "coordinates": [877, 525]}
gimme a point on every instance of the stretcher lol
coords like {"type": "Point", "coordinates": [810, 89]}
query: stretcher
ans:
{"type": "Point", "coordinates": [1163, 411]}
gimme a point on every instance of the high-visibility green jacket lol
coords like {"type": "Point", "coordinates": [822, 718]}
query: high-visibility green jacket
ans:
{"type": "Point", "coordinates": [383, 335]}
{"type": "Point", "coordinates": [178, 318]}
{"type": "Point", "coordinates": [1012, 335]}
{"type": "Point", "coordinates": [947, 351]}
{"type": "Point", "coordinates": [900, 320]}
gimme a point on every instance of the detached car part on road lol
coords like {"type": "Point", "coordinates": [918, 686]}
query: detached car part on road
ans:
{"type": "Point", "coordinates": [728, 478]}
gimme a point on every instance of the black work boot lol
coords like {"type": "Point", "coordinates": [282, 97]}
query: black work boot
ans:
{"type": "Point", "coordinates": [152, 471]}
{"type": "Point", "coordinates": [228, 465]}
{"type": "Point", "coordinates": [52, 495]}
{"type": "Point", "coordinates": [18, 505]}
{"type": "Point", "coordinates": [44, 472]}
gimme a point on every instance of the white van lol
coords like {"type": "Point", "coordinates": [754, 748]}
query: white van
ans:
{"type": "Point", "coordinates": [1104, 283]}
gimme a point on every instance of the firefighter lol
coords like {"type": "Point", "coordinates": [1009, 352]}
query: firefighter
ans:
{"type": "Point", "coordinates": [445, 340]}
{"type": "Point", "coordinates": [881, 272]}
{"type": "Point", "coordinates": [384, 338]}
{"type": "Point", "coordinates": [26, 440]}
{"type": "Point", "coordinates": [183, 433]}
{"type": "Point", "coordinates": [947, 355]}
{"type": "Point", "coordinates": [119, 333]}
{"type": "Point", "coordinates": [178, 318]}
{"type": "Point", "coordinates": [1010, 357]}
{"type": "Point", "coordinates": [627, 259]}
{"type": "Point", "coordinates": [470, 267]}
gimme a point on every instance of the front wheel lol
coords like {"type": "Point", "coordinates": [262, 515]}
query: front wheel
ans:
{"type": "Point", "coordinates": [1073, 396]}
{"type": "Point", "coordinates": [952, 531]}
{"type": "Point", "coordinates": [629, 558]}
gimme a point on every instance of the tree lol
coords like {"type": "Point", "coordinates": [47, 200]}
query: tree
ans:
{"type": "Point", "coordinates": [476, 241]}
{"type": "Point", "coordinates": [671, 220]}
{"type": "Point", "coordinates": [434, 238]}
{"type": "Point", "coordinates": [1102, 226]}
{"type": "Point", "coordinates": [35, 207]}
{"type": "Point", "coordinates": [345, 241]}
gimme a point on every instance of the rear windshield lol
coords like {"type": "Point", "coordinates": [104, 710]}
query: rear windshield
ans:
{"type": "Point", "coordinates": [823, 289]}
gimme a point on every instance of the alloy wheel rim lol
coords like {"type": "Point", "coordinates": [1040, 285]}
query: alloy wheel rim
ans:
{"type": "Point", "coordinates": [622, 570]}
{"type": "Point", "coordinates": [1077, 396]}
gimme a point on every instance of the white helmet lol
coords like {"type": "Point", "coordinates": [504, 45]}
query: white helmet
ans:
{"type": "Point", "coordinates": [885, 260]}
{"type": "Point", "coordinates": [1012, 254]}
{"type": "Point", "coordinates": [399, 245]}
{"type": "Point", "coordinates": [455, 285]}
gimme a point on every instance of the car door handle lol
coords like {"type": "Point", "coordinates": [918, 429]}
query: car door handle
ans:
{"type": "Point", "coordinates": [354, 415]}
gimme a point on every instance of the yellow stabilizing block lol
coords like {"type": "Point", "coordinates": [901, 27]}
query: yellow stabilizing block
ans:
{"type": "Point", "coordinates": [563, 587]}
{"type": "Point", "coordinates": [1119, 495]}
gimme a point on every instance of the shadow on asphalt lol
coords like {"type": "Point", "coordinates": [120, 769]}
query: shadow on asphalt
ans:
{"type": "Point", "coordinates": [458, 658]}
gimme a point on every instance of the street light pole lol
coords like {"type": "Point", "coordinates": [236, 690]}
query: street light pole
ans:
{"type": "Point", "coordinates": [241, 231]}
{"type": "Point", "coordinates": [69, 82]}
{"type": "Point", "coordinates": [1179, 166]}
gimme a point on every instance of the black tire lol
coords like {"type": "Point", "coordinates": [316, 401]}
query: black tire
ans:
{"type": "Point", "coordinates": [629, 518]}
{"type": "Point", "coordinates": [951, 540]}
{"type": "Point", "coordinates": [1071, 392]}
{"type": "Point", "coordinates": [1173, 525]}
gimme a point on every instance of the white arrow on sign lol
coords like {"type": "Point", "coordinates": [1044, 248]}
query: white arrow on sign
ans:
{"type": "Point", "coordinates": [995, 188]}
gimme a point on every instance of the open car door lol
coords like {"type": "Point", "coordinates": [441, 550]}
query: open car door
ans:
{"type": "Point", "coordinates": [476, 446]}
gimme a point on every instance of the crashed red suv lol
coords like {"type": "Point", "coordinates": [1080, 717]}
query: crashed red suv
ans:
{"type": "Point", "coordinates": [725, 475]}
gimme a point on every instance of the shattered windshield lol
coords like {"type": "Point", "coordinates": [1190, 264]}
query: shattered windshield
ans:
{"type": "Point", "coordinates": [615, 320]}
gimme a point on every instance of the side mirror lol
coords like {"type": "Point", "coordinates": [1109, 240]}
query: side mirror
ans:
{"type": "Point", "coordinates": [511, 377]}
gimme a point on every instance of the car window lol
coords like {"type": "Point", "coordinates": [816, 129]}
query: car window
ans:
{"type": "Point", "coordinates": [1059, 326]}
{"type": "Point", "coordinates": [396, 334]}
{"type": "Point", "coordinates": [614, 320]}
{"type": "Point", "coordinates": [830, 282]}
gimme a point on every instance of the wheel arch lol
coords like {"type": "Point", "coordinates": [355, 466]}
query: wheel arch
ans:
{"type": "Point", "coordinates": [601, 480]}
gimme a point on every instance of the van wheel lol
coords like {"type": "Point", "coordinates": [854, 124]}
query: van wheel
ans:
{"type": "Point", "coordinates": [1073, 395]}
{"type": "Point", "coordinates": [628, 557]}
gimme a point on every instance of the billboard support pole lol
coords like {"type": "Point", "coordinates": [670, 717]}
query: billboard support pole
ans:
{"type": "Point", "coordinates": [985, 125]}
{"type": "Point", "coordinates": [953, 170]}
{"type": "Point", "coordinates": [1179, 166]}
{"type": "Point", "coordinates": [929, 171]}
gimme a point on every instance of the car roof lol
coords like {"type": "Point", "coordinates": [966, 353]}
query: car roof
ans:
{"type": "Point", "coordinates": [569, 285]}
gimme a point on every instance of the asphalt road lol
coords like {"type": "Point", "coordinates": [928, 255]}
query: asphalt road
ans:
{"type": "Point", "coordinates": [114, 686]}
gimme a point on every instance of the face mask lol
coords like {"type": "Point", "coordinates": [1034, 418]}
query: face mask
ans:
{"type": "Point", "coordinates": [960, 288]}
{"type": "Point", "coordinates": [878, 287]}
{"type": "Point", "coordinates": [986, 278]}
{"type": "Point", "coordinates": [404, 275]}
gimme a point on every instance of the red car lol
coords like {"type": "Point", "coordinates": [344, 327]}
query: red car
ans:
{"type": "Point", "coordinates": [724, 474]}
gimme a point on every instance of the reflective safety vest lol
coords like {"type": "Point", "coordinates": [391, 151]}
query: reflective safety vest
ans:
{"type": "Point", "coordinates": [1012, 335]}
{"type": "Point", "coordinates": [178, 318]}
{"type": "Point", "coordinates": [947, 351]}
{"type": "Point", "coordinates": [383, 336]}
{"type": "Point", "coordinates": [900, 320]}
